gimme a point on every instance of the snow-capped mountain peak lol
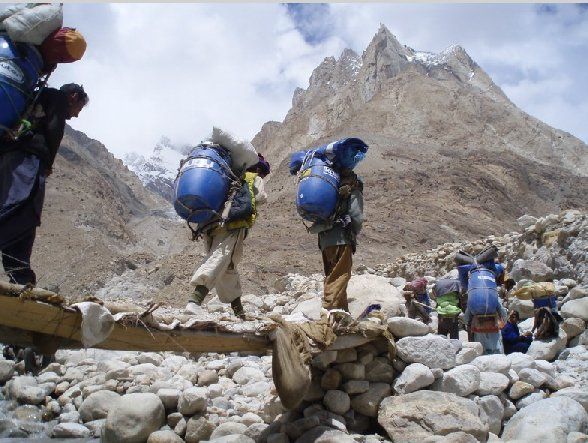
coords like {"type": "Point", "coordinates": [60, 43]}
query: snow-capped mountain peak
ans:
{"type": "Point", "coordinates": [158, 170]}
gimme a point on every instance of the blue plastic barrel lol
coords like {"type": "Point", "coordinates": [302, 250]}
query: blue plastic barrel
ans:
{"type": "Point", "coordinates": [202, 185]}
{"type": "Point", "coordinates": [20, 68]}
{"type": "Point", "coordinates": [316, 197]}
{"type": "Point", "coordinates": [482, 292]}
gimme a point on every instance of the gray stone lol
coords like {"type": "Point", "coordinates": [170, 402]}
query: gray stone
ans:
{"type": "Point", "coordinates": [416, 376]}
{"type": "Point", "coordinates": [519, 389]}
{"type": "Point", "coordinates": [325, 434]}
{"type": "Point", "coordinates": [351, 371]}
{"type": "Point", "coordinates": [256, 430]}
{"type": "Point", "coordinates": [578, 292]}
{"type": "Point", "coordinates": [233, 438]}
{"type": "Point", "coordinates": [533, 377]}
{"type": "Point", "coordinates": [207, 377]}
{"type": "Point", "coordinates": [431, 350]}
{"type": "Point", "coordinates": [169, 398]}
{"type": "Point", "coordinates": [324, 359]}
{"type": "Point", "coordinates": [575, 393]}
{"type": "Point", "coordinates": [494, 411]}
{"type": "Point", "coordinates": [6, 370]}
{"type": "Point", "coordinates": [133, 418]}
{"type": "Point", "coordinates": [368, 403]}
{"type": "Point", "coordinates": [531, 270]}
{"type": "Point", "coordinates": [519, 361]}
{"type": "Point", "coordinates": [97, 405]}
{"type": "Point", "coordinates": [69, 417]}
{"type": "Point", "coordinates": [164, 437]}
{"type": "Point", "coordinates": [492, 383]}
{"type": "Point", "coordinates": [48, 377]}
{"type": "Point", "coordinates": [31, 395]}
{"type": "Point", "coordinates": [575, 309]}
{"type": "Point", "coordinates": [96, 427]}
{"type": "Point", "coordinates": [173, 419]}
{"type": "Point", "coordinates": [346, 355]}
{"type": "Point", "coordinates": [248, 374]}
{"type": "Point", "coordinates": [228, 428]}
{"type": "Point", "coordinates": [467, 355]}
{"type": "Point", "coordinates": [548, 349]}
{"type": "Point", "coordinates": [331, 379]}
{"type": "Point", "coordinates": [530, 399]}
{"type": "Point", "coordinates": [181, 427]}
{"type": "Point", "coordinates": [379, 370]}
{"type": "Point", "coordinates": [416, 416]}
{"type": "Point", "coordinates": [192, 400]}
{"type": "Point", "coordinates": [356, 386]}
{"type": "Point", "coordinates": [337, 401]}
{"type": "Point", "coordinates": [547, 421]}
{"type": "Point", "coordinates": [461, 380]}
{"type": "Point", "coordinates": [404, 327]}
{"type": "Point", "coordinates": [70, 430]}
{"type": "Point", "coordinates": [492, 363]}
{"type": "Point", "coordinates": [581, 339]}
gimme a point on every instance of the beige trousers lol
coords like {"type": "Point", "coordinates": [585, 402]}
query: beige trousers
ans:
{"type": "Point", "coordinates": [219, 269]}
{"type": "Point", "coordinates": [337, 261]}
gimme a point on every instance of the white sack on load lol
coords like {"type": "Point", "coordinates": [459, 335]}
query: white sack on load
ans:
{"type": "Point", "coordinates": [8, 10]}
{"type": "Point", "coordinates": [243, 154]}
{"type": "Point", "coordinates": [33, 25]}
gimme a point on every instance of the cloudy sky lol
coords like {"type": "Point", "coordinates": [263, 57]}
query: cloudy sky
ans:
{"type": "Point", "coordinates": [177, 69]}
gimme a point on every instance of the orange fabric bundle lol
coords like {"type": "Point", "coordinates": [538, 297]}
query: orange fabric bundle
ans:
{"type": "Point", "coordinates": [66, 45]}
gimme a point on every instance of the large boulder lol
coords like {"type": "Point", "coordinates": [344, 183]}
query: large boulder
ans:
{"type": "Point", "coordinates": [531, 270]}
{"type": "Point", "coordinates": [492, 363]}
{"type": "Point", "coordinates": [97, 405]}
{"type": "Point", "coordinates": [416, 416]}
{"type": "Point", "coordinates": [547, 421]}
{"type": "Point", "coordinates": [366, 289]}
{"type": "Point", "coordinates": [578, 394]}
{"type": "Point", "coordinates": [404, 327]}
{"type": "Point", "coordinates": [576, 309]}
{"type": "Point", "coordinates": [573, 326]}
{"type": "Point", "coordinates": [493, 412]}
{"type": "Point", "coordinates": [193, 400]}
{"type": "Point", "coordinates": [431, 350]}
{"type": "Point", "coordinates": [549, 348]}
{"type": "Point", "coordinates": [414, 377]}
{"type": "Point", "coordinates": [133, 418]}
{"type": "Point", "coordinates": [492, 383]}
{"type": "Point", "coordinates": [462, 380]}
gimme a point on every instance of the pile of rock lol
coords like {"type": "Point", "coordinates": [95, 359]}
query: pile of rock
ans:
{"type": "Point", "coordinates": [146, 395]}
{"type": "Point", "coordinates": [436, 389]}
{"type": "Point", "coordinates": [560, 242]}
{"type": "Point", "coordinates": [426, 387]}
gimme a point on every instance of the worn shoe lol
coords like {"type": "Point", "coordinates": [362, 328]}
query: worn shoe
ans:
{"type": "Point", "coordinates": [238, 308]}
{"type": "Point", "coordinates": [200, 293]}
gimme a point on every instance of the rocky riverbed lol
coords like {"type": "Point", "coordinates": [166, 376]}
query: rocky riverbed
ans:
{"type": "Point", "coordinates": [425, 388]}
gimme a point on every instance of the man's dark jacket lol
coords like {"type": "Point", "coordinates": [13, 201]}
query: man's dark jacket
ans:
{"type": "Point", "coordinates": [24, 165]}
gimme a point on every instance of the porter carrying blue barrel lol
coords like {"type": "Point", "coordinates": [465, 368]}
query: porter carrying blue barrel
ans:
{"type": "Point", "coordinates": [482, 289]}
{"type": "Point", "coordinates": [203, 183]}
{"type": "Point", "coordinates": [20, 69]}
{"type": "Point", "coordinates": [316, 196]}
{"type": "Point", "coordinates": [318, 176]}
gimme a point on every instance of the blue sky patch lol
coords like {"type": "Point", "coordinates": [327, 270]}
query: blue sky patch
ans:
{"type": "Point", "coordinates": [312, 20]}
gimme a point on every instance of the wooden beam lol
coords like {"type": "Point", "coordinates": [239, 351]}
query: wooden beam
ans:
{"type": "Point", "coordinates": [41, 318]}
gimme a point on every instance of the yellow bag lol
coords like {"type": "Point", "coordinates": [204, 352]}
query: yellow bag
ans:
{"type": "Point", "coordinates": [534, 290]}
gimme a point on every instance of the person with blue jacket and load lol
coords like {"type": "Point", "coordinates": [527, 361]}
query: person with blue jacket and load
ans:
{"type": "Point", "coordinates": [512, 338]}
{"type": "Point", "coordinates": [25, 164]}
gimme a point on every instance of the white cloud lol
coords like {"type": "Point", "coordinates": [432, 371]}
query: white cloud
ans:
{"type": "Point", "coordinates": [177, 69]}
